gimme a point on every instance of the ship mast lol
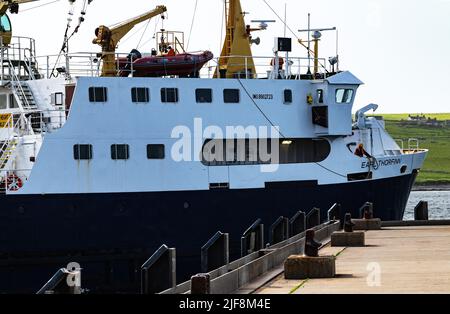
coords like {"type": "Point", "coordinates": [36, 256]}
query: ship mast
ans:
{"type": "Point", "coordinates": [236, 58]}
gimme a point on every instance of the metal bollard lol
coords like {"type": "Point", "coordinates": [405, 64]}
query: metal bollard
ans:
{"type": "Point", "coordinates": [348, 224]}
{"type": "Point", "coordinates": [201, 284]}
{"type": "Point", "coordinates": [421, 211]}
{"type": "Point", "coordinates": [366, 211]}
{"type": "Point", "coordinates": [311, 246]}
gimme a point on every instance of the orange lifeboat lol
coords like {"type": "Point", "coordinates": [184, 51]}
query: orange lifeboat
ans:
{"type": "Point", "coordinates": [183, 64]}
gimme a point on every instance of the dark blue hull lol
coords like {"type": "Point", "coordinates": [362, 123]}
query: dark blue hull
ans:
{"type": "Point", "coordinates": [111, 235]}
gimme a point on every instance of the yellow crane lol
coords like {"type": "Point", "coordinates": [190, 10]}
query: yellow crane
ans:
{"type": "Point", "coordinates": [236, 57]}
{"type": "Point", "coordinates": [108, 38]}
{"type": "Point", "coordinates": [5, 22]}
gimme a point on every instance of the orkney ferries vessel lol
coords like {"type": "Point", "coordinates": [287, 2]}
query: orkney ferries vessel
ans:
{"type": "Point", "coordinates": [101, 169]}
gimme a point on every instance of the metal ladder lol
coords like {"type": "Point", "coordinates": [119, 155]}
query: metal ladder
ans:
{"type": "Point", "coordinates": [22, 92]}
{"type": "Point", "coordinates": [8, 147]}
{"type": "Point", "coordinates": [229, 30]}
{"type": "Point", "coordinates": [6, 151]}
{"type": "Point", "coordinates": [25, 96]}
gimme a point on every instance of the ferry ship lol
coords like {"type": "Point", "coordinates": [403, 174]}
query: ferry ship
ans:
{"type": "Point", "coordinates": [102, 168]}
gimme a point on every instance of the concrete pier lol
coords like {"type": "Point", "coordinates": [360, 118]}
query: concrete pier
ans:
{"type": "Point", "coordinates": [395, 260]}
{"type": "Point", "coordinates": [348, 239]}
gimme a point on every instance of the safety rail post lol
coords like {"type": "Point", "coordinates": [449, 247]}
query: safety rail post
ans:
{"type": "Point", "coordinates": [158, 273]}
{"type": "Point", "coordinates": [298, 223]}
{"type": "Point", "coordinates": [132, 68]}
{"type": "Point", "coordinates": [2, 58]}
{"type": "Point", "coordinates": [64, 281]}
{"type": "Point", "coordinates": [313, 218]}
{"type": "Point", "coordinates": [253, 239]}
{"type": "Point", "coordinates": [402, 144]}
{"type": "Point", "coordinates": [246, 68]}
{"type": "Point", "coordinates": [411, 146]}
{"type": "Point", "coordinates": [215, 253]}
{"type": "Point", "coordinates": [335, 213]}
{"type": "Point", "coordinates": [279, 231]}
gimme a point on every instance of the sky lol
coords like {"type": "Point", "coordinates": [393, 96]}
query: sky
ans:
{"type": "Point", "coordinates": [400, 49]}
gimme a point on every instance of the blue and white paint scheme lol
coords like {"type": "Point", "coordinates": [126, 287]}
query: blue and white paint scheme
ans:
{"type": "Point", "coordinates": [97, 208]}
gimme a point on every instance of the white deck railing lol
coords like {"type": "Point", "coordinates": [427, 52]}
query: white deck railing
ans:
{"type": "Point", "coordinates": [90, 64]}
{"type": "Point", "coordinates": [21, 54]}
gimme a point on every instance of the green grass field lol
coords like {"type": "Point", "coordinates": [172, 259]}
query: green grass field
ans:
{"type": "Point", "coordinates": [404, 116]}
{"type": "Point", "coordinates": [437, 166]}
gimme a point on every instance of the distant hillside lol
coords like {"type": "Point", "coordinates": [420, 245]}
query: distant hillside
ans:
{"type": "Point", "coordinates": [404, 116]}
{"type": "Point", "coordinates": [437, 139]}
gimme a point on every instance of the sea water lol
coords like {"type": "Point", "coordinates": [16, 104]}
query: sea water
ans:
{"type": "Point", "coordinates": [438, 204]}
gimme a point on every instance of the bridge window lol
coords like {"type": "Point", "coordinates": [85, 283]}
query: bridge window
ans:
{"type": "Point", "coordinates": [287, 96]}
{"type": "Point", "coordinates": [120, 152]}
{"type": "Point", "coordinates": [5, 24]}
{"type": "Point", "coordinates": [82, 152]}
{"type": "Point", "coordinates": [98, 94]}
{"type": "Point", "coordinates": [140, 95]}
{"type": "Point", "coordinates": [203, 95]}
{"type": "Point", "coordinates": [231, 96]}
{"type": "Point", "coordinates": [155, 151]}
{"type": "Point", "coordinates": [344, 96]}
{"type": "Point", "coordinates": [169, 95]}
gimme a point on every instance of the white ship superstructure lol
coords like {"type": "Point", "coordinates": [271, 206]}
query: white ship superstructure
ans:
{"type": "Point", "coordinates": [113, 163]}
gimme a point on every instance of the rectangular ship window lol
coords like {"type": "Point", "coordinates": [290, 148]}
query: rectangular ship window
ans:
{"type": "Point", "coordinates": [169, 95]}
{"type": "Point", "coordinates": [155, 151]}
{"type": "Point", "coordinates": [120, 152]}
{"type": "Point", "coordinates": [360, 176]}
{"type": "Point", "coordinates": [221, 152]}
{"type": "Point", "coordinates": [320, 96]}
{"type": "Point", "coordinates": [344, 96]}
{"type": "Point", "coordinates": [203, 95]}
{"type": "Point", "coordinates": [82, 152]}
{"type": "Point", "coordinates": [98, 94]}
{"type": "Point", "coordinates": [3, 103]}
{"type": "Point", "coordinates": [288, 96]}
{"type": "Point", "coordinates": [140, 94]}
{"type": "Point", "coordinates": [231, 96]}
{"type": "Point", "coordinates": [13, 102]}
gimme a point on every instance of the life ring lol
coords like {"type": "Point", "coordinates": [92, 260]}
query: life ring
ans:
{"type": "Point", "coordinates": [13, 183]}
